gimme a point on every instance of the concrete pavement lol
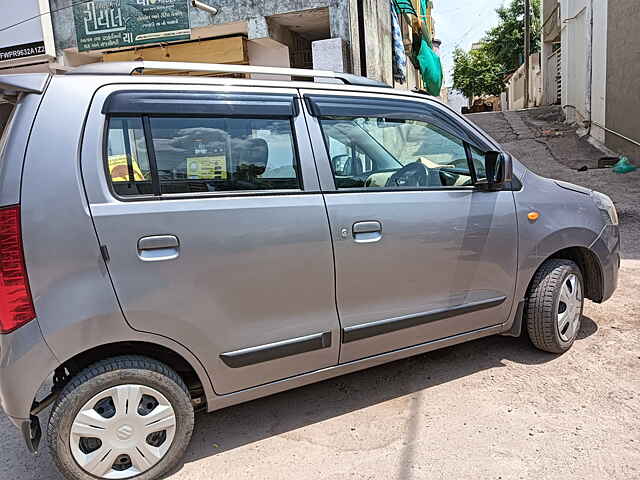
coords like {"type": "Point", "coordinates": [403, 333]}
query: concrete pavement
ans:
{"type": "Point", "coordinates": [539, 139]}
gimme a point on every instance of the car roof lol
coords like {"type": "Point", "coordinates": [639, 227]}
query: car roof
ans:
{"type": "Point", "coordinates": [181, 72]}
{"type": "Point", "coordinates": [141, 66]}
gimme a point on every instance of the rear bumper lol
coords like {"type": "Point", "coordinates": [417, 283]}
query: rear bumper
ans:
{"type": "Point", "coordinates": [25, 363]}
{"type": "Point", "coordinates": [607, 248]}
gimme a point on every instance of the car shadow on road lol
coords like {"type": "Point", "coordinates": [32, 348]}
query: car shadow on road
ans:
{"type": "Point", "coordinates": [257, 420]}
{"type": "Point", "coordinates": [251, 422]}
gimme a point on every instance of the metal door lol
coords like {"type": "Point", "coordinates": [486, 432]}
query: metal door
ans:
{"type": "Point", "coordinates": [244, 280]}
{"type": "Point", "coordinates": [414, 266]}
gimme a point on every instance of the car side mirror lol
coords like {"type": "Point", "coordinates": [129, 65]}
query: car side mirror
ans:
{"type": "Point", "coordinates": [340, 164]}
{"type": "Point", "coordinates": [499, 171]}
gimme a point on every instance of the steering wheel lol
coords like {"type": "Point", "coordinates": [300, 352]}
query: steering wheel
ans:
{"type": "Point", "coordinates": [414, 174]}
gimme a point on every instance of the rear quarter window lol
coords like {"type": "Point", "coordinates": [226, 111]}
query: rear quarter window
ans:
{"type": "Point", "coordinates": [127, 158]}
{"type": "Point", "coordinates": [6, 115]}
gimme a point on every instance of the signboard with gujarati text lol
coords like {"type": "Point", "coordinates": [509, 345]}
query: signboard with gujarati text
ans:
{"type": "Point", "coordinates": [105, 24]}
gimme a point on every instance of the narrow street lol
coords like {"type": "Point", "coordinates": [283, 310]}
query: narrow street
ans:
{"type": "Point", "coordinates": [203, 202]}
{"type": "Point", "coordinates": [493, 408]}
{"type": "Point", "coordinates": [551, 148]}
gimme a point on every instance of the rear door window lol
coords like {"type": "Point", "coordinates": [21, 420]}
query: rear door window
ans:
{"type": "Point", "coordinates": [246, 143]}
{"type": "Point", "coordinates": [224, 154]}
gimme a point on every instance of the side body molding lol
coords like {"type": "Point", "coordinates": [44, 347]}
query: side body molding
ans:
{"type": "Point", "coordinates": [285, 348]}
{"type": "Point", "coordinates": [372, 329]}
{"type": "Point", "coordinates": [273, 351]}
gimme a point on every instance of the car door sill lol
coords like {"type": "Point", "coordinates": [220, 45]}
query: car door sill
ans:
{"type": "Point", "coordinates": [272, 351]}
{"type": "Point", "coordinates": [380, 327]}
{"type": "Point", "coordinates": [294, 346]}
{"type": "Point", "coordinates": [221, 401]}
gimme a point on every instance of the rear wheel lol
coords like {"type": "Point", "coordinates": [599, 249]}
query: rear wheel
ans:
{"type": "Point", "coordinates": [123, 417]}
{"type": "Point", "coordinates": [554, 305]}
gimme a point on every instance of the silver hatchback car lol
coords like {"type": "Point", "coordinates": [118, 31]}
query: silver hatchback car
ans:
{"type": "Point", "coordinates": [170, 244]}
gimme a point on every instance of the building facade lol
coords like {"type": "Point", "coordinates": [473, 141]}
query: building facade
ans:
{"type": "Point", "coordinates": [591, 66]}
{"type": "Point", "coordinates": [513, 96]}
{"type": "Point", "coordinates": [344, 35]}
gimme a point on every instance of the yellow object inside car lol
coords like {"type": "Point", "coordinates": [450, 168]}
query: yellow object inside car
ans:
{"type": "Point", "coordinates": [119, 169]}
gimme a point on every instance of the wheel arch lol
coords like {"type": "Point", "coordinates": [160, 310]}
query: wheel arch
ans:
{"type": "Point", "coordinates": [589, 265]}
{"type": "Point", "coordinates": [45, 389]}
{"type": "Point", "coordinates": [73, 365]}
{"type": "Point", "coordinates": [592, 275]}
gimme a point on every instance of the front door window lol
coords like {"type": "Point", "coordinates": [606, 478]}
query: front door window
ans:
{"type": "Point", "coordinates": [392, 153]}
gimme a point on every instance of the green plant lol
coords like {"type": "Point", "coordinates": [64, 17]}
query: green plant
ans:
{"type": "Point", "coordinates": [476, 73]}
{"type": "Point", "coordinates": [505, 41]}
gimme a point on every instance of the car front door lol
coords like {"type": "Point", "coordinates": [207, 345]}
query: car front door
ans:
{"type": "Point", "coordinates": [421, 253]}
{"type": "Point", "coordinates": [207, 205]}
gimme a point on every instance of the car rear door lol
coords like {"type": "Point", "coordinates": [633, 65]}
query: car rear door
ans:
{"type": "Point", "coordinates": [414, 262]}
{"type": "Point", "coordinates": [207, 205]}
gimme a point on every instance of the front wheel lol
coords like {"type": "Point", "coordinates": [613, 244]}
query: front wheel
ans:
{"type": "Point", "coordinates": [123, 417]}
{"type": "Point", "coordinates": [554, 305]}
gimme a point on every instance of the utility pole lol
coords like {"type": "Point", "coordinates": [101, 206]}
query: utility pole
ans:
{"type": "Point", "coordinates": [527, 48]}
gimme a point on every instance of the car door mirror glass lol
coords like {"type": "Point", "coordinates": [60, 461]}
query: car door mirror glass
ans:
{"type": "Point", "coordinates": [340, 164]}
{"type": "Point", "coordinates": [496, 171]}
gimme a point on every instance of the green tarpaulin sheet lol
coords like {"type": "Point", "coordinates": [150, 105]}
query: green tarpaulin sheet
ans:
{"type": "Point", "coordinates": [428, 60]}
{"type": "Point", "coordinates": [404, 6]}
{"type": "Point", "coordinates": [430, 68]}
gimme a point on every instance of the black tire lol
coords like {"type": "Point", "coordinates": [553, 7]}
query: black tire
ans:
{"type": "Point", "coordinates": [543, 302]}
{"type": "Point", "coordinates": [108, 373]}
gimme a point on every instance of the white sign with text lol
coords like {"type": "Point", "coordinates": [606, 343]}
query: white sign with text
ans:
{"type": "Point", "coordinates": [26, 34]}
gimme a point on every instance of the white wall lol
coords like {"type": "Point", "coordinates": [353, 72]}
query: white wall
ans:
{"type": "Point", "coordinates": [330, 54]}
{"type": "Point", "coordinates": [515, 86]}
{"type": "Point", "coordinates": [457, 100]}
{"type": "Point", "coordinates": [550, 73]}
{"type": "Point", "coordinates": [268, 53]}
{"type": "Point", "coordinates": [584, 63]}
{"type": "Point", "coordinates": [26, 34]}
{"type": "Point", "coordinates": [574, 59]}
{"type": "Point", "coordinates": [599, 63]}
{"type": "Point", "coordinates": [550, 34]}
{"type": "Point", "coordinates": [377, 26]}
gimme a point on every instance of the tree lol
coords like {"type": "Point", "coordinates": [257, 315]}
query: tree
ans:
{"type": "Point", "coordinates": [477, 73]}
{"type": "Point", "coordinates": [505, 42]}
{"type": "Point", "coordinates": [482, 70]}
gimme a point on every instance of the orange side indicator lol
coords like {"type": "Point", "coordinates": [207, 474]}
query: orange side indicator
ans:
{"type": "Point", "coordinates": [533, 216]}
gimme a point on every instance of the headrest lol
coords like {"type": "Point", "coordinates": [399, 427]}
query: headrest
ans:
{"type": "Point", "coordinates": [251, 152]}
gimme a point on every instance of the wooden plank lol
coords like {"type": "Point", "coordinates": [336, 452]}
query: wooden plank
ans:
{"type": "Point", "coordinates": [218, 50]}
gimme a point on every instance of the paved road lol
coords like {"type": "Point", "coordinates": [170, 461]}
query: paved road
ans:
{"type": "Point", "coordinates": [491, 409]}
{"type": "Point", "coordinates": [552, 149]}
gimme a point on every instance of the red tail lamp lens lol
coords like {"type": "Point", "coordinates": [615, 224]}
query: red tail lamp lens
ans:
{"type": "Point", "coordinates": [16, 305]}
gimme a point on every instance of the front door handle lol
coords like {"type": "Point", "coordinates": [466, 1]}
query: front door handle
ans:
{"type": "Point", "coordinates": [155, 248]}
{"type": "Point", "coordinates": [367, 232]}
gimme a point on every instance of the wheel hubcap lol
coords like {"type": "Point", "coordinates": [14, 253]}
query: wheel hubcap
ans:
{"type": "Point", "coordinates": [569, 308]}
{"type": "Point", "coordinates": [122, 432]}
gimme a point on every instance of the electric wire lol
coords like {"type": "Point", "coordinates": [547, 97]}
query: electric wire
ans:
{"type": "Point", "coordinates": [43, 14]}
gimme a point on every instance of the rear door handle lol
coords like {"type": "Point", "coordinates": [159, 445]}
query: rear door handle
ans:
{"type": "Point", "coordinates": [155, 248]}
{"type": "Point", "coordinates": [367, 232]}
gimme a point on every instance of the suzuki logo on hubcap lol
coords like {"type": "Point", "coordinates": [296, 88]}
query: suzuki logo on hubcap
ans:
{"type": "Point", "coordinates": [124, 432]}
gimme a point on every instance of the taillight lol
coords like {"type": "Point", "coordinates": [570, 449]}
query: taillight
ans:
{"type": "Point", "coordinates": [16, 305]}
